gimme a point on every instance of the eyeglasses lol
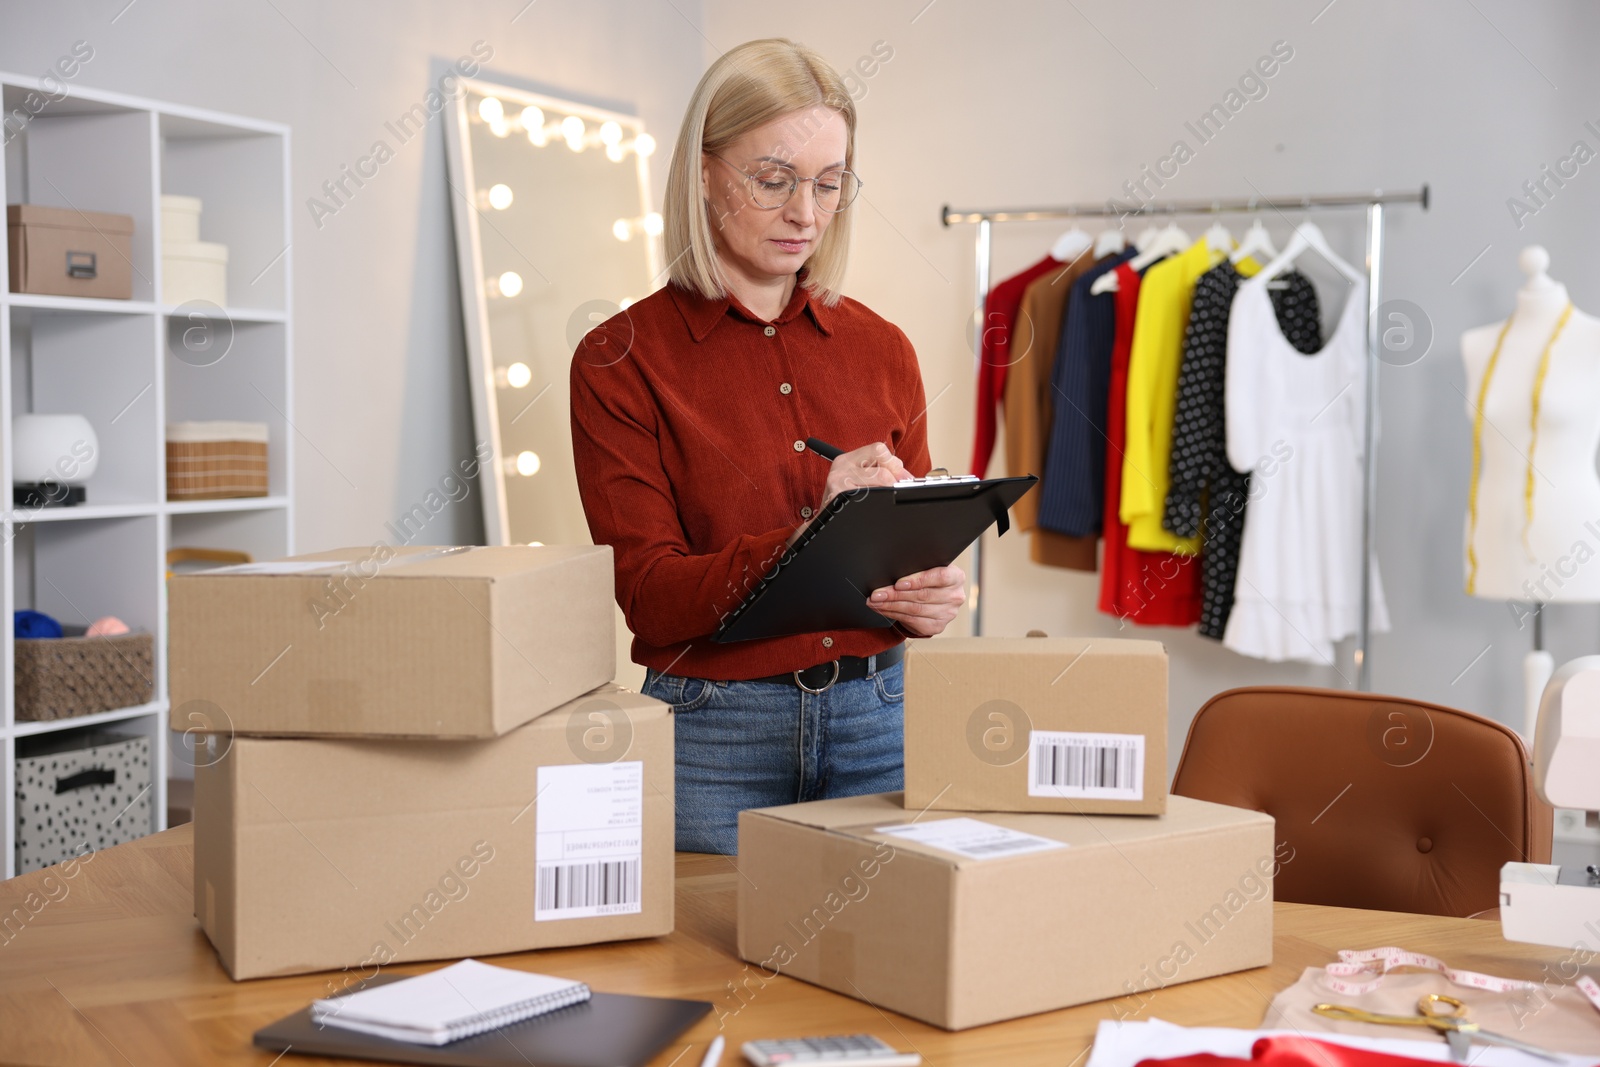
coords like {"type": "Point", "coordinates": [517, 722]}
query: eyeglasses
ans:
{"type": "Point", "coordinates": [772, 186]}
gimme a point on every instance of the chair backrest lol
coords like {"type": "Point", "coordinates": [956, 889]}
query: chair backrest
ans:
{"type": "Point", "coordinates": [1387, 803]}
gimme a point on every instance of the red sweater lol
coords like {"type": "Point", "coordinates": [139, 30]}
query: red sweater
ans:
{"type": "Point", "coordinates": [688, 422]}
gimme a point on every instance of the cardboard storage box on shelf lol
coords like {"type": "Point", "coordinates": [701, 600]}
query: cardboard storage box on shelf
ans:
{"type": "Point", "coordinates": [393, 642]}
{"type": "Point", "coordinates": [60, 251]}
{"type": "Point", "coordinates": [960, 920]}
{"type": "Point", "coordinates": [1036, 724]}
{"type": "Point", "coordinates": [315, 854]}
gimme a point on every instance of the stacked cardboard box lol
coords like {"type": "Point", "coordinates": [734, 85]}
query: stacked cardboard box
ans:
{"type": "Point", "coordinates": [1035, 860]}
{"type": "Point", "coordinates": [417, 753]}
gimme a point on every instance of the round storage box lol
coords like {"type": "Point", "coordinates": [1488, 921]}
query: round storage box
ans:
{"type": "Point", "coordinates": [194, 270]}
{"type": "Point", "coordinates": [180, 219]}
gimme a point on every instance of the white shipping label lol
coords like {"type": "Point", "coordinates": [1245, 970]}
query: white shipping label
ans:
{"type": "Point", "coordinates": [1085, 766]}
{"type": "Point", "coordinates": [282, 566]}
{"type": "Point", "coordinates": [972, 838]}
{"type": "Point", "coordinates": [589, 844]}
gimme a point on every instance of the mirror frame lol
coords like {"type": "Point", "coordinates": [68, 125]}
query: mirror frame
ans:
{"type": "Point", "coordinates": [469, 262]}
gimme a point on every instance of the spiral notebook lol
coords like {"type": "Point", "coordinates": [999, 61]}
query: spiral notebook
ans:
{"type": "Point", "coordinates": [449, 1004]}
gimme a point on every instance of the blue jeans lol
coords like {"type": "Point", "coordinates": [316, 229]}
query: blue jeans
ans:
{"type": "Point", "coordinates": [761, 744]}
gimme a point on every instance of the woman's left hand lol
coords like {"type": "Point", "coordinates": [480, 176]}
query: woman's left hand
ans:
{"type": "Point", "coordinates": [923, 603]}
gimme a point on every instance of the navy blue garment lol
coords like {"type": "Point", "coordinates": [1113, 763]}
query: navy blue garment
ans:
{"type": "Point", "coordinates": [1072, 493]}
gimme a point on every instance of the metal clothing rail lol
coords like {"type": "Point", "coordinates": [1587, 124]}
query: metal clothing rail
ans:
{"type": "Point", "coordinates": [1374, 203]}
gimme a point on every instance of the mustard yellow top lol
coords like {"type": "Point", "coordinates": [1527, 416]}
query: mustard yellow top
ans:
{"type": "Point", "coordinates": [1158, 328]}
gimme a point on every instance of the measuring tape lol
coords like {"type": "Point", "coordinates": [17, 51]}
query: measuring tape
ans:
{"type": "Point", "coordinates": [1343, 977]}
{"type": "Point", "coordinates": [1591, 989]}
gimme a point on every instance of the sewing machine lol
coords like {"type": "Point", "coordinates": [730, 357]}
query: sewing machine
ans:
{"type": "Point", "coordinates": [1543, 903]}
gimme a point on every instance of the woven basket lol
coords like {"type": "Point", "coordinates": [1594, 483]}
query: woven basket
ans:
{"type": "Point", "coordinates": [62, 677]}
{"type": "Point", "coordinates": [213, 470]}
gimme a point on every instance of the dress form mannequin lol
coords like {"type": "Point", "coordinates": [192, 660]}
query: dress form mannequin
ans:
{"type": "Point", "coordinates": [1555, 555]}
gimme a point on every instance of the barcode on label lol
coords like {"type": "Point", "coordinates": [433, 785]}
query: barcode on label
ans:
{"type": "Point", "coordinates": [600, 884]}
{"type": "Point", "coordinates": [1086, 766]}
{"type": "Point", "coordinates": [999, 848]}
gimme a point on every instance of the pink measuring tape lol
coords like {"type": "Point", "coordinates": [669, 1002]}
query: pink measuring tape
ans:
{"type": "Point", "coordinates": [1346, 976]}
{"type": "Point", "coordinates": [1589, 988]}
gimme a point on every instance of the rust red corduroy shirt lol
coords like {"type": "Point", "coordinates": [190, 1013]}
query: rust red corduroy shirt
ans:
{"type": "Point", "coordinates": [689, 418]}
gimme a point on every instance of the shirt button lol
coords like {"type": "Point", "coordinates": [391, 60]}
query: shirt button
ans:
{"type": "Point", "coordinates": [785, 388]}
{"type": "Point", "coordinates": [770, 330]}
{"type": "Point", "coordinates": [799, 446]}
{"type": "Point", "coordinates": [827, 642]}
{"type": "Point", "coordinates": [805, 513]}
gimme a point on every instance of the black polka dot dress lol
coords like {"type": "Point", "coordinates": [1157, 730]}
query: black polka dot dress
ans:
{"type": "Point", "coordinates": [1206, 496]}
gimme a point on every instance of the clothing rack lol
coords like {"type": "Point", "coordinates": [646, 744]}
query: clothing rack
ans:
{"type": "Point", "coordinates": [1373, 202]}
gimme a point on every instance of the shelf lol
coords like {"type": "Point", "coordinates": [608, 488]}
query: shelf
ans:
{"type": "Point", "coordinates": [248, 503]}
{"type": "Point", "coordinates": [25, 729]}
{"type": "Point", "coordinates": [89, 305]}
{"type": "Point", "coordinates": [237, 314]}
{"type": "Point", "coordinates": [22, 517]}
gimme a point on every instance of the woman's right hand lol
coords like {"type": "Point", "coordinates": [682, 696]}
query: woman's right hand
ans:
{"type": "Point", "coordinates": [871, 465]}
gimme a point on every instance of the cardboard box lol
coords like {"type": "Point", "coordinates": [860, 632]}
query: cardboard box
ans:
{"type": "Point", "coordinates": [1014, 926]}
{"type": "Point", "coordinates": [407, 642]}
{"type": "Point", "coordinates": [1036, 724]}
{"type": "Point", "coordinates": [313, 854]}
{"type": "Point", "coordinates": [61, 251]}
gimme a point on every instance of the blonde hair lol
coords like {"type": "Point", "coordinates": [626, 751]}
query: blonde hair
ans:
{"type": "Point", "coordinates": [748, 87]}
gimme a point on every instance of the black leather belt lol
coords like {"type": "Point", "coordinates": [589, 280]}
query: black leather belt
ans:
{"type": "Point", "coordinates": [844, 669]}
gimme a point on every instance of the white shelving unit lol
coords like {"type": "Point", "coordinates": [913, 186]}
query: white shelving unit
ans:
{"type": "Point", "coordinates": [123, 365]}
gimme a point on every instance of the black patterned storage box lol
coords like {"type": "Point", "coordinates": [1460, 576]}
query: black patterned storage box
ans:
{"type": "Point", "coordinates": [80, 792]}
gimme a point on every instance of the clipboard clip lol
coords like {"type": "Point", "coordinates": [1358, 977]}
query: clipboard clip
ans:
{"type": "Point", "coordinates": [937, 476]}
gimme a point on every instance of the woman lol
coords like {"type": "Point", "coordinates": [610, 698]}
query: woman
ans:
{"type": "Point", "coordinates": [689, 416]}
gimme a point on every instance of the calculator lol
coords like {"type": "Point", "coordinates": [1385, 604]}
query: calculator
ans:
{"type": "Point", "coordinates": [854, 1050]}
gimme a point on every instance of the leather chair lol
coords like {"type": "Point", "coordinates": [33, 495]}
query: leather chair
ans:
{"type": "Point", "coordinates": [1389, 804]}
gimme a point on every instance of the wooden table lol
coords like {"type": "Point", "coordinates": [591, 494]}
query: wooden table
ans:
{"type": "Point", "coordinates": [110, 967]}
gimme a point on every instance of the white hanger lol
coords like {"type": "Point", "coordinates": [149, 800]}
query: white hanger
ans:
{"type": "Point", "coordinates": [1109, 242]}
{"type": "Point", "coordinates": [1169, 241]}
{"type": "Point", "coordinates": [1256, 242]}
{"type": "Point", "coordinates": [1217, 237]}
{"type": "Point", "coordinates": [1308, 235]}
{"type": "Point", "coordinates": [1147, 236]}
{"type": "Point", "coordinates": [1072, 244]}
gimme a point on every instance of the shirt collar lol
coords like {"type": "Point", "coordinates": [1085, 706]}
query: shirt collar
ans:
{"type": "Point", "coordinates": [702, 315]}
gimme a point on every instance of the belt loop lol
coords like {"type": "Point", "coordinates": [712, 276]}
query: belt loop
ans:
{"type": "Point", "coordinates": [872, 665]}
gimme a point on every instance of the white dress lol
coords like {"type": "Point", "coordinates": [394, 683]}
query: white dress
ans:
{"type": "Point", "coordinates": [1295, 423]}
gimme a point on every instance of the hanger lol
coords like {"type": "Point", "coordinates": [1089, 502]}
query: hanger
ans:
{"type": "Point", "coordinates": [1308, 235]}
{"type": "Point", "coordinates": [1109, 242]}
{"type": "Point", "coordinates": [1256, 242]}
{"type": "Point", "coordinates": [1169, 241]}
{"type": "Point", "coordinates": [1072, 244]}
{"type": "Point", "coordinates": [1217, 237]}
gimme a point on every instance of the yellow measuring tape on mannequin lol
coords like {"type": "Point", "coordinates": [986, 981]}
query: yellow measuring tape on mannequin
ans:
{"type": "Point", "coordinates": [1477, 443]}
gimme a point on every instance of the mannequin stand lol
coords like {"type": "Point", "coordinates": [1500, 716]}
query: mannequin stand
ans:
{"type": "Point", "coordinates": [1537, 667]}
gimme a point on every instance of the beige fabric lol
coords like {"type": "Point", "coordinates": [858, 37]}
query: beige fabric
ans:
{"type": "Point", "coordinates": [1553, 1015]}
{"type": "Point", "coordinates": [1028, 409]}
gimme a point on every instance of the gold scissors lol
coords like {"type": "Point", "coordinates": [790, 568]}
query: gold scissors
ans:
{"type": "Point", "coordinates": [1444, 1015]}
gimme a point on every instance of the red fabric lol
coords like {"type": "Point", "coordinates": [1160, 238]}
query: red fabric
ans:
{"type": "Point", "coordinates": [1150, 588]}
{"type": "Point", "coordinates": [683, 446]}
{"type": "Point", "coordinates": [1293, 1052]}
{"type": "Point", "coordinates": [994, 356]}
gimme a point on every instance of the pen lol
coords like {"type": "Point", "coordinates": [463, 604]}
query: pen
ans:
{"type": "Point", "coordinates": [714, 1053]}
{"type": "Point", "coordinates": [823, 449]}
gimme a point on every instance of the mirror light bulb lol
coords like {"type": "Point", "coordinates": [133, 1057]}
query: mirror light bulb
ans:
{"type": "Point", "coordinates": [615, 153]}
{"type": "Point", "coordinates": [621, 230]}
{"type": "Point", "coordinates": [532, 118]}
{"type": "Point", "coordinates": [535, 544]}
{"type": "Point", "coordinates": [610, 133]}
{"type": "Point", "coordinates": [652, 224]}
{"type": "Point", "coordinates": [500, 128]}
{"type": "Point", "coordinates": [538, 136]}
{"type": "Point", "coordinates": [510, 283]}
{"type": "Point", "coordinates": [572, 129]}
{"type": "Point", "coordinates": [645, 145]}
{"type": "Point", "coordinates": [500, 197]}
{"type": "Point", "coordinates": [518, 375]}
{"type": "Point", "coordinates": [491, 110]}
{"type": "Point", "coordinates": [527, 464]}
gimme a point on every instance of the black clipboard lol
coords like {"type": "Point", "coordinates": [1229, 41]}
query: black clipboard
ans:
{"type": "Point", "coordinates": [863, 540]}
{"type": "Point", "coordinates": [607, 1030]}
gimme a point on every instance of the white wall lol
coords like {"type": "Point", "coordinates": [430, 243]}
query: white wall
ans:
{"type": "Point", "coordinates": [1000, 103]}
{"type": "Point", "coordinates": [381, 388]}
{"type": "Point", "coordinates": [1011, 103]}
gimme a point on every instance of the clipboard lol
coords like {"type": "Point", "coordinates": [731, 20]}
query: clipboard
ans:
{"type": "Point", "coordinates": [607, 1030]}
{"type": "Point", "coordinates": [866, 539]}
